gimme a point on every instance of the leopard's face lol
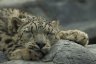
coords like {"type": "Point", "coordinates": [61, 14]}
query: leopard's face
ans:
{"type": "Point", "coordinates": [37, 37]}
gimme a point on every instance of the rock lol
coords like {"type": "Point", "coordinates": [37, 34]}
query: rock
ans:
{"type": "Point", "coordinates": [92, 48]}
{"type": "Point", "coordinates": [3, 58]}
{"type": "Point", "coordinates": [25, 62]}
{"type": "Point", "coordinates": [68, 52]}
{"type": "Point", "coordinates": [69, 10]}
{"type": "Point", "coordinates": [63, 52]}
{"type": "Point", "coordinates": [13, 2]}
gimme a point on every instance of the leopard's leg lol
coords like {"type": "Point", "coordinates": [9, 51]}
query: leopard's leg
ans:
{"type": "Point", "coordinates": [75, 35]}
{"type": "Point", "coordinates": [16, 51]}
{"type": "Point", "coordinates": [19, 54]}
{"type": "Point", "coordinates": [24, 54]}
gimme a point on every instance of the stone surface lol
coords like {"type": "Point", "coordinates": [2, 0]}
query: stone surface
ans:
{"type": "Point", "coordinates": [63, 52]}
{"type": "Point", "coordinates": [25, 62]}
{"type": "Point", "coordinates": [67, 52]}
{"type": "Point", "coordinates": [92, 48]}
{"type": "Point", "coordinates": [13, 2]}
{"type": "Point", "coordinates": [70, 10]}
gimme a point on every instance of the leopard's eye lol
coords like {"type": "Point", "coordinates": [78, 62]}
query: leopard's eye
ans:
{"type": "Point", "coordinates": [48, 33]}
{"type": "Point", "coordinates": [22, 16]}
{"type": "Point", "coordinates": [26, 30]}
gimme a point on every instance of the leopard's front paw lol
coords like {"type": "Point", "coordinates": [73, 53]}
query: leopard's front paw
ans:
{"type": "Point", "coordinates": [20, 54]}
{"type": "Point", "coordinates": [75, 35]}
{"type": "Point", "coordinates": [25, 54]}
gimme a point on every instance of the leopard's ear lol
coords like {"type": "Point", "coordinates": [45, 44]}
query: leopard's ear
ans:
{"type": "Point", "coordinates": [14, 24]}
{"type": "Point", "coordinates": [17, 22]}
{"type": "Point", "coordinates": [55, 24]}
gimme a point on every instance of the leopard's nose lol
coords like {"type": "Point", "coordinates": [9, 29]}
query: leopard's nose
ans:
{"type": "Point", "coordinates": [40, 44]}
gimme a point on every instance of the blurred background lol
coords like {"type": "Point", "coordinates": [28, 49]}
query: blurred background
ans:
{"type": "Point", "coordinates": [72, 14]}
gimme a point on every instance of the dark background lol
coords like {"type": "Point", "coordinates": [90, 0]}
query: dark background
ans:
{"type": "Point", "coordinates": [72, 14]}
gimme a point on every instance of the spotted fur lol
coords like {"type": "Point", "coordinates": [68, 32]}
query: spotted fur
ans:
{"type": "Point", "coordinates": [27, 37]}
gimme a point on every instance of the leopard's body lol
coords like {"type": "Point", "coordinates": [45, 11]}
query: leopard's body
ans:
{"type": "Point", "coordinates": [27, 37]}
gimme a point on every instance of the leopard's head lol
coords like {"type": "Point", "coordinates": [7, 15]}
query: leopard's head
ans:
{"type": "Point", "coordinates": [38, 35]}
